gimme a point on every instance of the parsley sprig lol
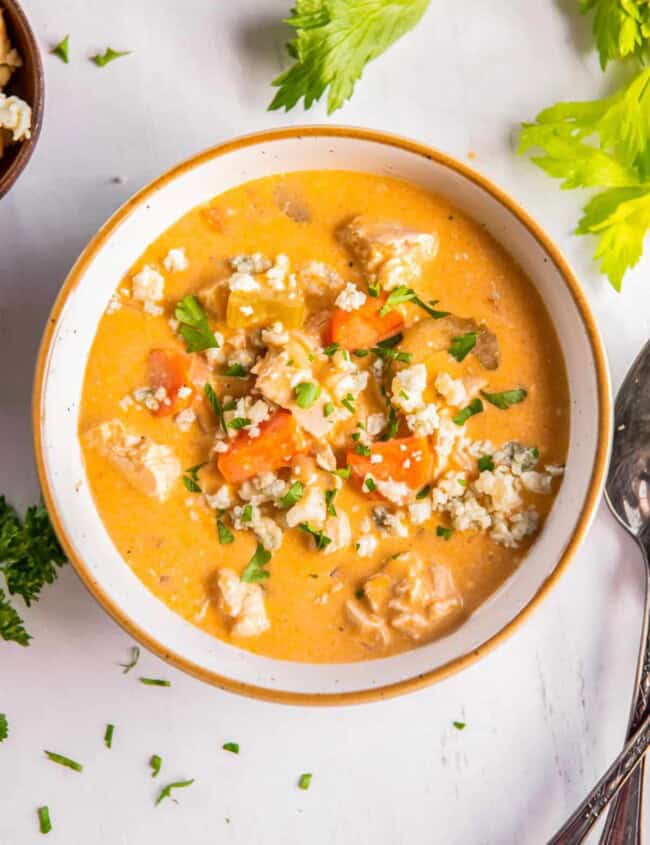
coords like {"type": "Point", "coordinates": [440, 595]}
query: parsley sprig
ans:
{"type": "Point", "coordinates": [255, 571]}
{"type": "Point", "coordinates": [193, 325]}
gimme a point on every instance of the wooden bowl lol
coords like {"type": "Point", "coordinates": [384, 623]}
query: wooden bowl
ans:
{"type": "Point", "coordinates": [28, 83]}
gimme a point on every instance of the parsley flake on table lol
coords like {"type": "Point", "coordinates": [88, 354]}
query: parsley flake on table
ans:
{"type": "Point", "coordinates": [108, 736]}
{"type": "Point", "coordinates": [335, 39]}
{"type": "Point", "coordinates": [4, 727]}
{"type": "Point", "coordinates": [109, 55]}
{"type": "Point", "coordinates": [62, 50]}
{"type": "Point", "coordinates": [460, 726]}
{"type": "Point", "coordinates": [506, 399]}
{"type": "Point", "coordinates": [304, 781]}
{"type": "Point", "coordinates": [64, 761]}
{"type": "Point", "coordinates": [233, 747]}
{"type": "Point", "coordinates": [155, 682]}
{"type": "Point", "coordinates": [155, 762]}
{"type": "Point", "coordinates": [44, 821]}
{"type": "Point", "coordinates": [135, 656]}
{"type": "Point", "coordinates": [255, 571]}
{"type": "Point", "coordinates": [166, 791]}
{"type": "Point", "coordinates": [193, 325]}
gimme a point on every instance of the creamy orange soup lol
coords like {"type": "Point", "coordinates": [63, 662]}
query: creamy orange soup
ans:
{"type": "Point", "coordinates": [324, 416]}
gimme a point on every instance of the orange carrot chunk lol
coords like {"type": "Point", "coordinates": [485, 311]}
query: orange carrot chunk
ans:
{"type": "Point", "coordinates": [408, 459]}
{"type": "Point", "coordinates": [172, 370]}
{"type": "Point", "coordinates": [279, 440]}
{"type": "Point", "coordinates": [364, 327]}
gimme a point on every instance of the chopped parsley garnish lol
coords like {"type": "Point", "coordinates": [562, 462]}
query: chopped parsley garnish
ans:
{"type": "Point", "coordinates": [485, 462]}
{"type": "Point", "coordinates": [444, 532]}
{"type": "Point", "coordinates": [44, 821]}
{"type": "Point", "coordinates": [462, 345]}
{"type": "Point", "coordinates": [361, 449]}
{"type": "Point", "coordinates": [424, 492]}
{"type": "Point", "coordinates": [4, 727]}
{"type": "Point", "coordinates": [155, 682]}
{"type": "Point", "coordinates": [155, 762]}
{"type": "Point", "coordinates": [236, 371]}
{"type": "Point", "coordinates": [247, 514]}
{"type": "Point", "coordinates": [64, 761]}
{"type": "Point", "coordinates": [238, 423]}
{"type": "Point", "coordinates": [216, 406]}
{"type": "Point", "coordinates": [330, 495]}
{"type": "Point", "coordinates": [332, 348]}
{"type": "Point", "coordinates": [293, 495]}
{"type": "Point", "coordinates": [369, 484]}
{"type": "Point", "coordinates": [393, 424]}
{"type": "Point", "coordinates": [360, 353]}
{"type": "Point", "coordinates": [135, 656]}
{"type": "Point", "coordinates": [191, 478]}
{"type": "Point", "coordinates": [62, 50]}
{"type": "Point", "coordinates": [333, 43]}
{"type": "Point", "coordinates": [307, 392]}
{"type": "Point", "coordinates": [328, 409]}
{"type": "Point", "coordinates": [108, 736]}
{"type": "Point", "coordinates": [194, 327]}
{"type": "Point", "coordinates": [505, 399]}
{"type": "Point", "coordinates": [166, 791]}
{"type": "Point", "coordinates": [474, 407]}
{"type": "Point", "coordinates": [255, 571]}
{"type": "Point", "coordinates": [348, 402]}
{"type": "Point", "coordinates": [233, 747]}
{"type": "Point", "coordinates": [29, 556]}
{"type": "Point", "coordinates": [392, 355]}
{"type": "Point", "coordinates": [391, 341]}
{"type": "Point", "coordinates": [402, 294]}
{"type": "Point", "coordinates": [224, 533]}
{"type": "Point", "coordinates": [374, 290]}
{"type": "Point", "coordinates": [460, 726]}
{"type": "Point", "coordinates": [304, 781]}
{"type": "Point", "coordinates": [109, 55]}
{"type": "Point", "coordinates": [343, 472]}
{"type": "Point", "coordinates": [322, 540]}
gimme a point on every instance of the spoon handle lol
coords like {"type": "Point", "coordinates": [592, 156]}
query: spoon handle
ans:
{"type": "Point", "coordinates": [576, 828]}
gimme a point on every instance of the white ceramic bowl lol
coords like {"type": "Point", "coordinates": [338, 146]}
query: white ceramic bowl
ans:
{"type": "Point", "coordinates": [70, 333]}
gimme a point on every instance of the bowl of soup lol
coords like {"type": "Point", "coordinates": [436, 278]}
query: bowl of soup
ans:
{"type": "Point", "coordinates": [320, 415]}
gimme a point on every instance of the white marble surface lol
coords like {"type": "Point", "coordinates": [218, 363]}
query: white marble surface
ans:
{"type": "Point", "coordinates": [544, 713]}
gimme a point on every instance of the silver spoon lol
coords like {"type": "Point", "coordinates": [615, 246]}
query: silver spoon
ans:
{"type": "Point", "coordinates": [628, 495]}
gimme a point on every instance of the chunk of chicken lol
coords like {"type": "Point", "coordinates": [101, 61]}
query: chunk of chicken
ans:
{"type": "Point", "coordinates": [150, 467]}
{"type": "Point", "coordinates": [392, 253]}
{"type": "Point", "coordinates": [242, 602]}
{"type": "Point", "coordinates": [412, 597]}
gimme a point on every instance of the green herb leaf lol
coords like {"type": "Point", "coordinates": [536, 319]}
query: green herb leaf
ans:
{"type": "Point", "coordinates": [11, 625]}
{"type": "Point", "coordinates": [361, 449]}
{"type": "Point", "coordinates": [109, 55]}
{"type": "Point", "coordinates": [255, 571]}
{"type": "Point", "coordinates": [64, 761]}
{"type": "Point", "coordinates": [348, 402]}
{"type": "Point", "coordinates": [166, 791]}
{"type": "Point", "coordinates": [307, 392]}
{"type": "Point", "coordinates": [233, 747]}
{"type": "Point", "coordinates": [304, 781]}
{"type": "Point", "coordinates": [460, 726]}
{"type": "Point", "coordinates": [237, 371]}
{"type": "Point", "coordinates": [392, 341]}
{"type": "Point", "coordinates": [155, 762]}
{"type": "Point", "coordinates": [332, 349]}
{"type": "Point", "coordinates": [424, 492]}
{"type": "Point", "coordinates": [369, 484]}
{"type": "Point", "coordinates": [621, 28]}
{"type": "Point", "coordinates": [108, 736]}
{"type": "Point", "coordinates": [62, 50]}
{"type": "Point", "coordinates": [506, 399]}
{"type": "Point", "coordinates": [194, 327]}
{"type": "Point", "coordinates": [444, 532]}
{"type": "Point", "coordinates": [44, 821]}
{"type": "Point", "coordinates": [398, 296]}
{"type": "Point", "coordinates": [343, 472]}
{"type": "Point", "coordinates": [393, 424]}
{"type": "Point", "coordinates": [393, 355]}
{"type": "Point", "coordinates": [334, 41]}
{"type": "Point", "coordinates": [4, 727]}
{"type": "Point", "coordinates": [474, 407]}
{"type": "Point", "coordinates": [135, 656]}
{"type": "Point", "coordinates": [247, 513]}
{"type": "Point", "coordinates": [292, 496]}
{"type": "Point", "coordinates": [374, 290]}
{"type": "Point", "coordinates": [485, 463]}
{"type": "Point", "coordinates": [330, 495]}
{"type": "Point", "coordinates": [238, 423]}
{"type": "Point", "coordinates": [225, 534]}
{"type": "Point", "coordinates": [322, 540]}
{"type": "Point", "coordinates": [191, 478]}
{"type": "Point", "coordinates": [462, 345]}
{"type": "Point", "coordinates": [215, 404]}
{"type": "Point", "coordinates": [328, 409]}
{"type": "Point", "coordinates": [361, 353]}
{"type": "Point", "coordinates": [155, 682]}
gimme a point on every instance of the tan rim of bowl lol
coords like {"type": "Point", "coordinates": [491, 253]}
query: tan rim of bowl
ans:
{"type": "Point", "coordinates": [588, 507]}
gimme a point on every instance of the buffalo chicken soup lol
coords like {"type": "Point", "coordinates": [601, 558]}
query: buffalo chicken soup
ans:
{"type": "Point", "coordinates": [324, 416]}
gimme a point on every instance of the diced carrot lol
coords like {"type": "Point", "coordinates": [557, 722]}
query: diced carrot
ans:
{"type": "Point", "coordinates": [279, 440]}
{"type": "Point", "coordinates": [364, 327]}
{"type": "Point", "coordinates": [408, 459]}
{"type": "Point", "coordinates": [173, 370]}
